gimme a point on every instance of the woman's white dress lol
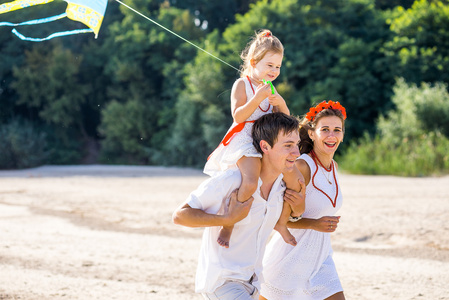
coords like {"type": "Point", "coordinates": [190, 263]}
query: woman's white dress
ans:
{"type": "Point", "coordinates": [307, 270]}
{"type": "Point", "coordinates": [226, 156]}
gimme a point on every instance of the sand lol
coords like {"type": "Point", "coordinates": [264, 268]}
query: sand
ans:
{"type": "Point", "coordinates": [105, 232]}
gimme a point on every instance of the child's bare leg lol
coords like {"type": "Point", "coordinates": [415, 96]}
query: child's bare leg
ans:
{"type": "Point", "coordinates": [292, 182]}
{"type": "Point", "coordinates": [281, 225]}
{"type": "Point", "coordinates": [250, 170]}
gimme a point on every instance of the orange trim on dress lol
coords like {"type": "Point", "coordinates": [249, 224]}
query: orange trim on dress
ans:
{"type": "Point", "coordinates": [228, 137]}
{"type": "Point", "coordinates": [334, 203]}
{"type": "Point", "coordinates": [239, 127]}
{"type": "Point", "coordinates": [251, 85]}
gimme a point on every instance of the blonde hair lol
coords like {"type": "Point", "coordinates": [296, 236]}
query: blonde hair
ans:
{"type": "Point", "coordinates": [263, 41]}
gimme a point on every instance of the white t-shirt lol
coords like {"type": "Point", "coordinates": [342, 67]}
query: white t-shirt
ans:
{"type": "Point", "coordinates": [243, 258]}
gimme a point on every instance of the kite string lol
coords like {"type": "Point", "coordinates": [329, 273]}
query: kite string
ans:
{"type": "Point", "coordinates": [177, 35]}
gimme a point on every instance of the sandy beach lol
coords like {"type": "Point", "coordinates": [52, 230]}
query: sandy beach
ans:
{"type": "Point", "coordinates": [105, 232]}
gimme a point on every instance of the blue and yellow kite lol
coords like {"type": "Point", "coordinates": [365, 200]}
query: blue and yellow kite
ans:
{"type": "Point", "coordinates": [88, 12]}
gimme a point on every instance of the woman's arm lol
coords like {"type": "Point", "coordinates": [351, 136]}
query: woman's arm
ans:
{"type": "Point", "coordinates": [323, 224]}
{"type": "Point", "coordinates": [304, 168]}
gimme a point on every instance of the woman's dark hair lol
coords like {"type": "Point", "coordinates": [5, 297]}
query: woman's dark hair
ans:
{"type": "Point", "coordinates": [306, 143]}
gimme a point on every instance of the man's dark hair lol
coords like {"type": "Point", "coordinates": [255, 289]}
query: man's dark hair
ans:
{"type": "Point", "coordinates": [269, 126]}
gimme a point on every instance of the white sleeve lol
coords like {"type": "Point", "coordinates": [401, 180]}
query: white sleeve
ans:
{"type": "Point", "coordinates": [210, 194]}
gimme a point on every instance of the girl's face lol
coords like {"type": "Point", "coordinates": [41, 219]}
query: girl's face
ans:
{"type": "Point", "coordinates": [268, 68]}
{"type": "Point", "coordinates": [328, 135]}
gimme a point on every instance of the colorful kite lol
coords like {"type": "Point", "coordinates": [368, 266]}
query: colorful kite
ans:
{"type": "Point", "coordinates": [88, 12]}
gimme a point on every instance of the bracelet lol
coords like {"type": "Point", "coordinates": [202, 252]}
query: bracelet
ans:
{"type": "Point", "coordinates": [294, 219]}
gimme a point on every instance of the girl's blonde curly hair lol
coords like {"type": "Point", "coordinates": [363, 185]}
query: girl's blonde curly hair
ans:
{"type": "Point", "coordinates": [262, 42]}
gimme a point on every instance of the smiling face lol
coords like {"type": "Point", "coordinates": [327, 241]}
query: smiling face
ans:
{"type": "Point", "coordinates": [283, 154]}
{"type": "Point", "coordinates": [268, 68]}
{"type": "Point", "coordinates": [327, 135]}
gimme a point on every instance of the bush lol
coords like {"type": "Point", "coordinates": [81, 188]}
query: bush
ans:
{"type": "Point", "coordinates": [127, 129]}
{"type": "Point", "coordinates": [422, 156]}
{"type": "Point", "coordinates": [64, 145]}
{"type": "Point", "coordinates": [21, 146]}
{"type": "Point", "coordinates": [411, 140]}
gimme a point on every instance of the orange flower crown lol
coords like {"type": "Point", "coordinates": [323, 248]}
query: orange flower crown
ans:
{"type": "Point", "coordinates": [325, 105]}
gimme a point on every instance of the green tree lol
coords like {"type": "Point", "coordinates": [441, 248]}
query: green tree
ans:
{"type": "Point", "coordinates": [411, 140]}
{"type": "Point", "coordinates": [21, 145]}
{"type": "Point", "coordinates": [389, 4]}
{"type": "Point", "coordinates": [146, 67]}
{"type": "Point", "coordinates": [12, 51]}
{"type": "Point", "coordinates": [49, 82]}
{"type": "Point", "coordinates": [200, 111]}
{"type": "Point", "coordinates": [420, 41]}
{"type": "Point", "coordinates": [48, 85]}
{"type": "Point", "coordinates": [331, 52]}
{"type": "Point", "coordinates": [418, 110]}
{"type": "Point", "coordinates": [126, 125]}
{"type": "Point", "coordinates": [210, 15]}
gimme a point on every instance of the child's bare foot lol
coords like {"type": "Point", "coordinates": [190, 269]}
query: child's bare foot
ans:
{"type": "Point", "coordinates": [224, 236]}
{"type": "Point", "coordinates": [286, 235]}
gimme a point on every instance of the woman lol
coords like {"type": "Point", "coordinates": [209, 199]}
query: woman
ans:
{"type": "Point", "coordinates": [307, 270]}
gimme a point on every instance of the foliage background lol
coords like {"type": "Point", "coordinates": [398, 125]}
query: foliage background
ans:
{"type": "Point", "coordinates": [140, 95]}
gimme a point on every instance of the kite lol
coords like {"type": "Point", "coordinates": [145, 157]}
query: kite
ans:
{"type": "Point", "coordinates": [88, 12]}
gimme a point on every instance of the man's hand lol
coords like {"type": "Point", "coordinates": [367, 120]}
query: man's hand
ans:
{"type": "Point", "coordinates": [237, 211]}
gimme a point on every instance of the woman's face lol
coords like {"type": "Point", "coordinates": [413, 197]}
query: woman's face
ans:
{"type": "Point", "coordinates": [328, 135]}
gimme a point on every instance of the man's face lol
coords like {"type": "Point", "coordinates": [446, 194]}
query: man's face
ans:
{"type": "Point", "coordinates": [285, 151]}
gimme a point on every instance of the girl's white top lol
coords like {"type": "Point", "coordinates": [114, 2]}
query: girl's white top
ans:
{"type": "Point", "coordinates": [225, 157]}
{"type": "Point", "coordinates": [307, 270]}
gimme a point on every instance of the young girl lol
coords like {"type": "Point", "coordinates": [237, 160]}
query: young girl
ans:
{"type": "Point", "coordinates": [251, 98]}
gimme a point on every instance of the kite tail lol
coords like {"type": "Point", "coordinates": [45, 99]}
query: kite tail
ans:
{"type": "Point", "coordinates": [53, 35]}
{"type": "Point", "coordinates": [34, 22]}
{"type": "Point", "coordinates": [41, 21]}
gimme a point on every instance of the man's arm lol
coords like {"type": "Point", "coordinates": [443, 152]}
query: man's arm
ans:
{"type": "Point", "coordinates": [193, 217]}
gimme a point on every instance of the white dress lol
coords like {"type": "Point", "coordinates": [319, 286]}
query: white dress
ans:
{"type": "Point", "coordinates": [241, 144]}
{"type": "Point", "coordinates": [307, 270]}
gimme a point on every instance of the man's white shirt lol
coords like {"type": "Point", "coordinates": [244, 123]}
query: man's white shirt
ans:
{"type": "Point", "coordinates": [243, 258]}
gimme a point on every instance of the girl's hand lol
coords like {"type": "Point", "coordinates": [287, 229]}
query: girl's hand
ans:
{"type": "Point", "coordinates": [326, 224]}
{"type": "Point", "coordinates": [296, 200]}
{"type": "Point", "coordinates": [276, 100]}
{"type": "Point", "coordinates": [262, 91]}
{"type": "Point", "coordinates": [278, 103]}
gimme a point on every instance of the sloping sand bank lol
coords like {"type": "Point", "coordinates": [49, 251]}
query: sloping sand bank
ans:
{"type": "Point", "coordinates": [105, 232]}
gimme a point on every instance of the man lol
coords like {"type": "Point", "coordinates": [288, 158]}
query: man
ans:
{"type": "Point", "coordinates": [235, 272]}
